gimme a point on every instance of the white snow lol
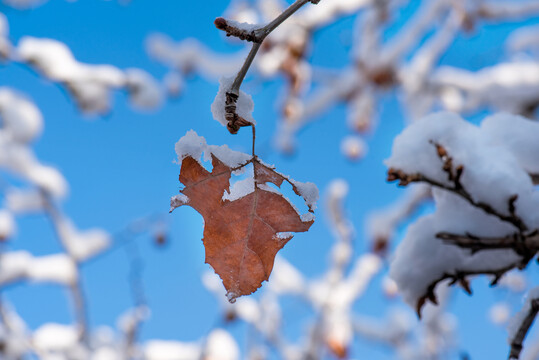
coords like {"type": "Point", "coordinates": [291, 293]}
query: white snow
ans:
{"type": "Point", "coordinates": [178, 200]}
{"type": "Point", "coordinates": [19, 116]}
{"type": "Point", "coordinates": [514, 281]}
{"type": "Point", "coordinates": [499, 313]}
{"type": "Point", "coordinates": [307, 217]}
{"type": "Point", "coordinates": [21, 265]}
{"type": "Point", "coordinates": [5, 45]}
{"type": "Point", "coordinates": [247, 27]}
{"type": "Point", "coordinates": [353, 147]}
{"type": "Point", "coordinates": [58, 268]}
{"type": "Point", "coordinates": [91, 85]}
{"type": "Point", "coordinates": [191, 55]}
{"type": "Point", "coordinates": [284, 235]}
{"type": "Point", "coordinates": [128, 321]}
{"type": "Point", "coordinates": [496, 157]}
{"type": "Point", "coordinates": [52, 336]}
{"type": "Point", "coordinates": [244, 104]}
{"type": "Point", "coordinates": [518, 134]}
{"type": "Point", "coordinates": [195, 146]}
{"type": "Point", "coordinates": [240, 189]}
{"type": "Point", "coordinates": [144, 91]}
{"type": "Point", "coordinates": [56, 61]}
{"type": "Point", "coordinates": [171, 350]}
{"type": "Point", "coordinates": [524, 38]}
{"type": "Point", "coordinates": [285, 278]}
{"type": "Point", "coordinates": [382, 224]}
{"type": "Point", "coordinates": [247, 309]}
{"type": "Point", "coordinates": [506, 86]}
{"type": "Point", "coordinates": [85, 244]}
{"type": "Point", "coordinates": [23, 201]}
{"type": "Point", "coordinates": [22, 123]}
{"type": "Point", "coordinates": [24, 4]}
{"type": "Point", "coordinates": [173, 83]}
{"type": "Point", "coordinates": [338, 189]}
{"type": "Point", "coordinates": [422, 259]}
{"type": "Point", "coordinates": [7, 224]}
{"type": "Point", "coordinates": [48, 178]}
{"type": "Point", "coordinates": [221, 346]}
{"type": "Point", "coordinates": [492, 174]}
{"type": "Point", "coordinates": [327, 11]}
{"type": "Point", "coordinates": [308, 191]}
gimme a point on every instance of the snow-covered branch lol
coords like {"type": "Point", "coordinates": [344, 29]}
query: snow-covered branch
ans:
{"type": "Point", "coordinates": [521, 323]}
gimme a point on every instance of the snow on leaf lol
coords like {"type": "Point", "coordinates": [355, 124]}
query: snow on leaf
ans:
{"type": "Point", "coordinates": [241, 228]}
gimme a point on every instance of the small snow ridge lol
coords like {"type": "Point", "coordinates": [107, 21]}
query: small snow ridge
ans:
{"type": "Point", "coordinates": [194, 146]}
{"type": "Point", "coordinates": [307, 217]}
{"type": "Point", "coordinates": [177, 201]}
{"type": "Point", "coordinates": [247, 27]}
{"type": "Point", "coordinates": [284, 235]}
{"type": "Point", "coordinates": [308, 191]}
{"type": "Point", "coordinates": [240, 189]}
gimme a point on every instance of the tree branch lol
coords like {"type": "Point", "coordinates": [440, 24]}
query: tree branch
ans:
{"type": "Point", "coordinates": [461, 278]}
{"type": "Point", "coordinates": [76, 290]}
{"type": "Point", "coordinates": [454, 175]}
{"type": "Point", "coordinates": [256, 36]}
{"type": "Point", "coordinates": [523, 245]}
{"type": "Point", "coordinates": [518, 338]}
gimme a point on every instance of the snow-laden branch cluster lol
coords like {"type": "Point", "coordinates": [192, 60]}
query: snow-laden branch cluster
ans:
{"type": "Point", "coordinates": [32, 187]}
{"type": "Point", "coordinates": [37, 188]}
{"type": "Point", "coordinates": [482, 180]}
{"type": "Point", "coordinates": [90, 86]}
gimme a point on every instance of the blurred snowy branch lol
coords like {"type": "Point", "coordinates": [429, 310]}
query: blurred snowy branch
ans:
{"type": "Point", "coordinates": [377, 65]}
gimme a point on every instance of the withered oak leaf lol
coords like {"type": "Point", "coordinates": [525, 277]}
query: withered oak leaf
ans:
{"type": "Point", "coordinates": [242, 236]}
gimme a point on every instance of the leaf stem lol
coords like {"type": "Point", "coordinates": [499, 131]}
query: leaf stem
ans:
{"type": "Point", "coordinates": [254, 138]}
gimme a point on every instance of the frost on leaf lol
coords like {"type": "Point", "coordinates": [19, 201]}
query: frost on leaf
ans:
{"type": "Point", "coordinates": [242, 232]}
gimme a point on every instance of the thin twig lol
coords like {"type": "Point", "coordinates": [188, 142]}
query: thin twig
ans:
{"type": "Point", "coordinates": [454, 175]}
{"type": "Point", "coordinates": [235, 89]}
{"type": "Point", "coordinates": [461, 277]}
{"type": "Point", "coordinates": [256, 36]}
{"type": "Point", "coordinates": [76, 290]}
{"type": "Point", "coordinates": [254, 138]}
{"type": "Point", "coordinates": [523, 245]}
{"type": "Point", "coordinates": [518, 339]}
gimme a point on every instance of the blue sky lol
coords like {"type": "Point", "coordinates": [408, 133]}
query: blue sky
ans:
{"type": "Point", "coordinates": [120, 167]}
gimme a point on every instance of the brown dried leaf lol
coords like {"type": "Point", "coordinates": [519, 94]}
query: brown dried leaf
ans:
{"type": "Point", "coordinates": [240, 236]}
